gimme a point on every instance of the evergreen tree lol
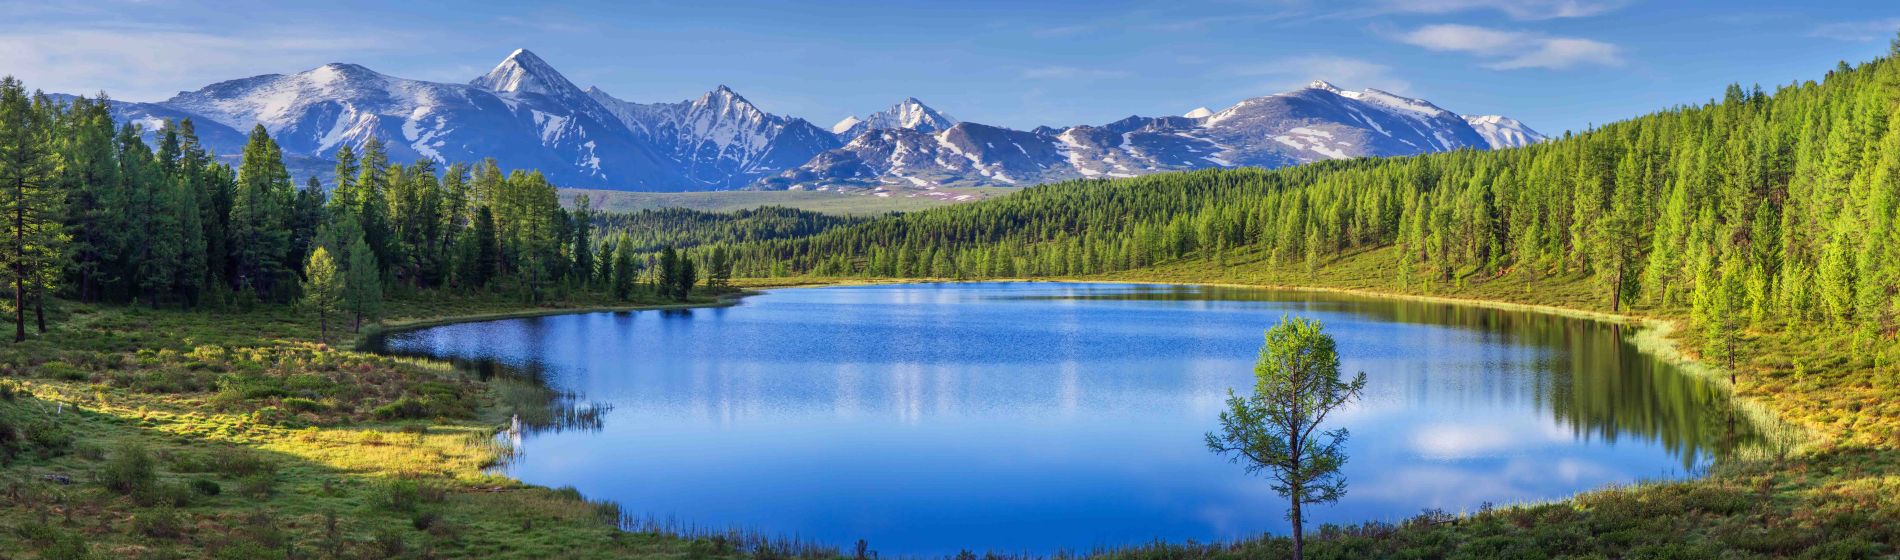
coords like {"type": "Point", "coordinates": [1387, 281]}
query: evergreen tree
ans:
{"type": "Point", "coordinates": [260, 216]}
{"type": "Point", "coordinates": [323, 288]}
{"type": "Point", "coordinates": [29, 205]}
{"type": "Point", "coordinates": [363, 285]}
{"type": "Point", "coordinates": [623, 275]}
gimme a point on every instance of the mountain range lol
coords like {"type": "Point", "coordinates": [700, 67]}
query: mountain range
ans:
{"type": "Point", "coordinates": [526, 114]}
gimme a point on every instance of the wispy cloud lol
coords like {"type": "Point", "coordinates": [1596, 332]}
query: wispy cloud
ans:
{"type": "Point", "coordinates": [1515, 9]}
{"type": "Point", "coordinates": [1866, 30]}
{"type": "Point", "coordinates": [1071, 73]}
{"type": "Point", "coordinates": [1514, 50]}
{"type": "Point", "coordinates": [1295, 71]}
{"type": "Point", "coordinates": [1068, 30]}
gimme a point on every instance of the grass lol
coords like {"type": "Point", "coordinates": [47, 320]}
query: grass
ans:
{"type": "Point", "coordinates": [128, 432]}
{"type": "Point", "coordinates": [829, 202]}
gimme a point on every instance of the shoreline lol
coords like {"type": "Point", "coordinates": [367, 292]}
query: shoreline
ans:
{"type": "Point", "coordinates": [1650, 335]}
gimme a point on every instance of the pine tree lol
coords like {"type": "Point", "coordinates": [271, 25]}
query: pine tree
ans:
{"type": "Point", "coordinates": [623, 273]}
{"type": "Point", "coordinates": [488, 248]}
{"type": "Point", "coordinates": [89, 176]}
{"type": "Point", "coordinates": [363, 284]}
{"type": "Point", "coordinates": [323, 288]}
{"type": "Point", "coordinates": [29, 204]}
{"type": "Point", "coordinates": [260, 216]}
{"type": "Point", "coordinates": [584, 240]}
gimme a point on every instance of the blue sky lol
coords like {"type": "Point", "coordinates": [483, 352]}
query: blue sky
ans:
{"type": "Point", "coordinates": [1555, 64]}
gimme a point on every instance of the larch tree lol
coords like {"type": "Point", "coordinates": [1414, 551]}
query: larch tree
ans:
{"type": "Point", "coordinates": [33, 233]}
{"type": "Point", "coordinates": [1276, 430]}
{"type": "Point", "coordinates": [323, 288]}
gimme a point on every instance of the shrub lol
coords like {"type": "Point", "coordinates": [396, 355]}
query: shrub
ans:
{"type": "Point", "coordinates": [240, 464]}
{"type": "Point", "coordinates": [206, 487]}
{"type": "Point", "coordinates": [130, 471]}
{"type": "Point", "coordinates": [159, 523]}
{"type": "Point", "coordinates": [301, 404]}
{"type": "Point", "coordinates": [63, 371]}
{"type": "Point", "coordinates": [258, 485]}
{"type": "Point", "coordinates": [408, 495]}
{"type": "Point", "coordinates": [405, 408]}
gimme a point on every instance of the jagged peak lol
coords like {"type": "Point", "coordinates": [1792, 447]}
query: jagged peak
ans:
{"type": "Point", "coordinates": [1323, 85]}
{"type": "Point", "coordinates": [1198, 113]}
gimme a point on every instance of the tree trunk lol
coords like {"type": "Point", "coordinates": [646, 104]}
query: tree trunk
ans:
{"type": "Point", "coordinates": [19, 263]}
{"type": "Point", "coordinates": [1616, 291]}
{"type": "Point", "coordinates": [39, 310]}
{"type": "Point", "coordinates": [1299, 536]}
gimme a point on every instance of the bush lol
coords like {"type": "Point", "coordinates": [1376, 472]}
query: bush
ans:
{"type": "Point", "coordinates": [301, 404]}
{"type": "Point", "coordinates": [206, 487]}
{"type": "Point", "coordinates": [259, 485]}
{"type": "Point", "coordinates": [159, 523]}
{"type": "Point", "coordinates": [405, 408]}
{"type": "Point", "coordinates": [240, 464]}
{"type": "Point", "coordinates": [408, 495]}
{"type": "Point", "coordinates": [130, 471]}
{"type": "Point", "coordinates": [63, 371]}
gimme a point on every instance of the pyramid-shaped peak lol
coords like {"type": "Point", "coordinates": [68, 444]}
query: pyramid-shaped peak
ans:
{"type": "Point", "coordinates": [523, 72]}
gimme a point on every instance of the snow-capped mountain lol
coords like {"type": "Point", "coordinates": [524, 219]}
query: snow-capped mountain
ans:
{"type": "Point", "coordinates": [909, 114]}
{"type": "Point", "coordinates": [522, 113]}
{"type": "Point", "coordinates": [1503, 132]}
{"type": "Point", "coordinates": [720, 141]}
{"type": "Point", "coordinates": [1318, 122]}
{"type": "Point", "coordinates": [527, 115]}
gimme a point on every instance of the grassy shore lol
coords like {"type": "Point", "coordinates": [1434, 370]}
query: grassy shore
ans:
{"type": "Point", "coordinates": [135, 433]}
{"type": "Point", "coordinates": [1833, 492]}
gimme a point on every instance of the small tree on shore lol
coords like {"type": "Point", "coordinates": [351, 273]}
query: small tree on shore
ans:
{"type": "Point", "coordinates": [1297, 384]}
{"type": "Point", "coordinates": [323, 288]}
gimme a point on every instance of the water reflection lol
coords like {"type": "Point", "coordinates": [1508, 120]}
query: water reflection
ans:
{"type": "Point", "coordinates": [1034, 417]}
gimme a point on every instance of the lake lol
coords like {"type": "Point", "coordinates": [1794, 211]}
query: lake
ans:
{"type": "Point", "coordinates": [1037, 417]}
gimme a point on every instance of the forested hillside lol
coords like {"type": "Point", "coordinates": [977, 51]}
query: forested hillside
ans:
{"type": "Point", "coordinates": [1759, 208]}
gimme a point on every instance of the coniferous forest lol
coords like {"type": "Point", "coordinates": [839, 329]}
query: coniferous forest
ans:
{"type": "Point", "coordinates": [189, 304]}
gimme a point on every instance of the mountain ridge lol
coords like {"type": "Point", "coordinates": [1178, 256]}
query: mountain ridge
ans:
{"type": "Point", "coordinates": [526, 114]}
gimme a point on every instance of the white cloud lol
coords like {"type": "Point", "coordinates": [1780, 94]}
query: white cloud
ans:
{"type": "Point", "coordinates": [145, 64]}
{"type": "Point", "coordinates": [1071, 73]}
{"type": "Point", "coordinates": [1870, 30]}
{"type": "Point", "coordinates": [1516, 9]}
{"type": "Point", "coordinates": [1293, 72]}
{"type": "Point", "coordinates": [1514, 50]}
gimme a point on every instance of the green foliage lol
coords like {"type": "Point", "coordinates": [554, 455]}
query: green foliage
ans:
{"type": "Point", "coordinates": [323, 288]}
{"type": "Point", "coordinates": [1297, 384]}
{"type": "Point", "coordinates": [130, 470]}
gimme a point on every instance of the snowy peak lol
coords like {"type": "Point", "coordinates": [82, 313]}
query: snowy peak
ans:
{"type": "Point", "coordinates": [725, 101]}
{"type": "Point", "coordinates": [915, 115]}
{"type": "Point", "coordinates": [1198, 113]}
{"type": "Point", "coordinates": [1322, 85]}
{"type": "Point", "coordinates": [1503, 132]}
{"type": "Point", "coordinates": [845, 125]}
{"type": "Point", "coordinates": [909, 114]}
{"type": "Point", "coordinates": [523, 72]}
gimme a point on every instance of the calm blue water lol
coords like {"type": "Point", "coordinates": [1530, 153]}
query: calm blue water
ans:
{"type": "Point", "coordinates": [1036, 417]}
